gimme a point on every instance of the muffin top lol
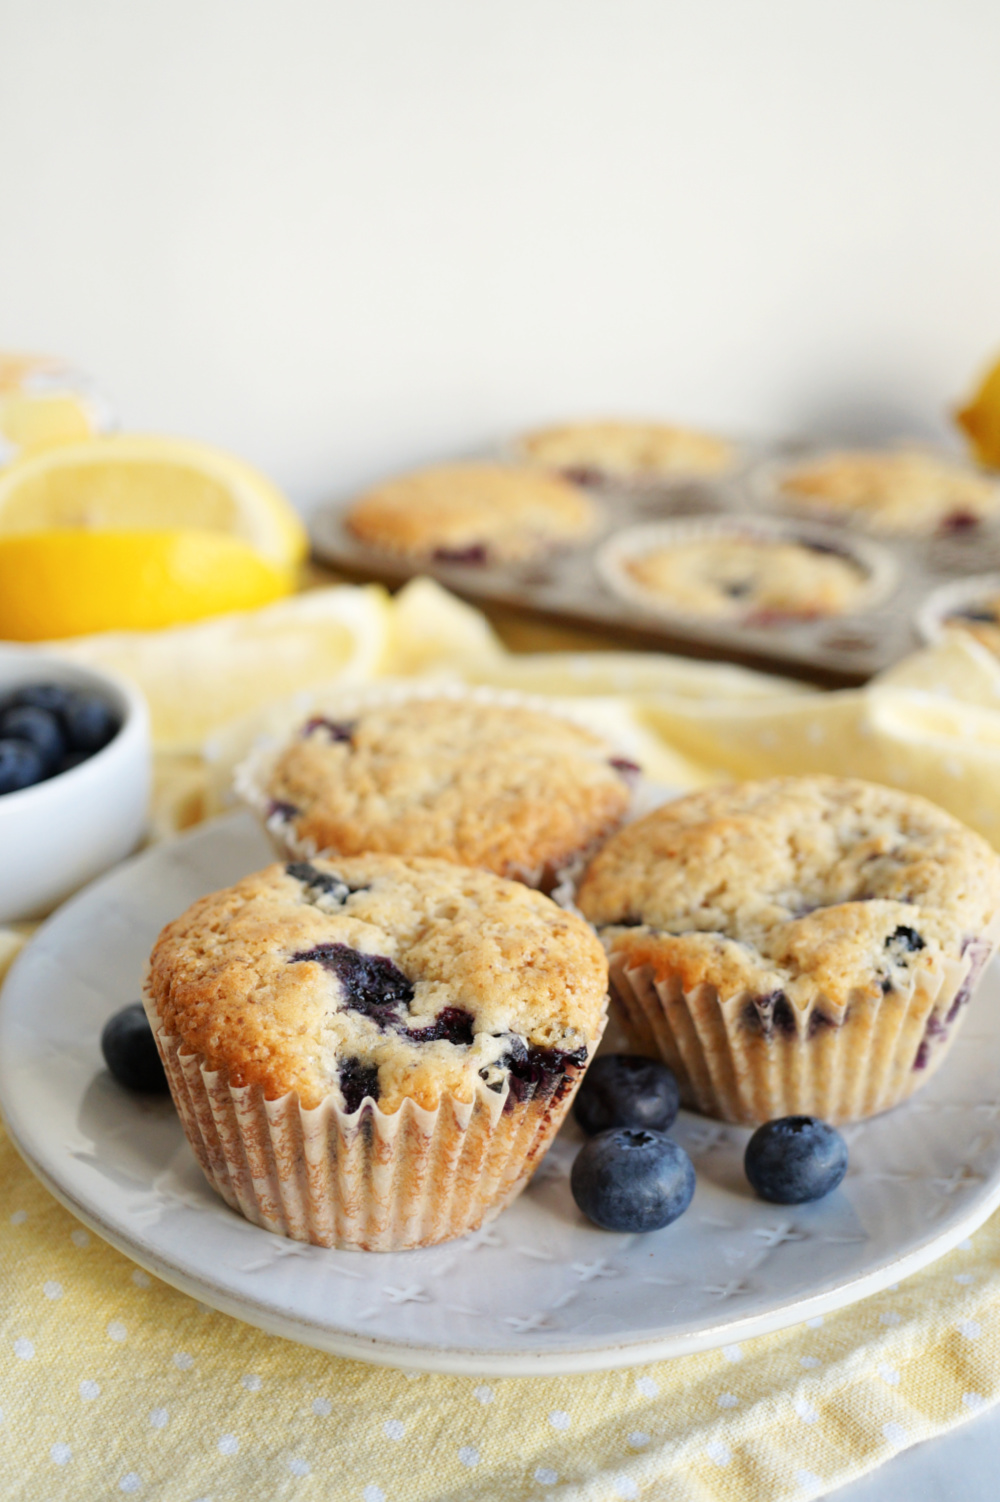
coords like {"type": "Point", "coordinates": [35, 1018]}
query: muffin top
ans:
{"type": "Point", "coordinates": [903, 490]}
{"type": "Point", "coordinates": [800, 885]}
{"type": "Point", "coordinates": [629, 450]}
{"type": "Point", "coordinates": [750, 578]}
{"type": "Point", "coordinates": [472, 513]}
{"type": "Point", "coordinates": [379, 977]}
{"type": "Point", "coordinates": [509, 788]}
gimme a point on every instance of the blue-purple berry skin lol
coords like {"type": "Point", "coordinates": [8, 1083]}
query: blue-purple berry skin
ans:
{"type": "Point", "coordinates": [40, 728]}
{"type": "Point", "coordinates": [130, 1051]}
{"type": "Point", "coordinates": [795, 1159]}
{"type": "Point", "coordinates": [633, 1180]}
{"type": "Point", "coordinates": [626, 1090]}
{"type": "Point", "coordinates": [21, 766]}
{"type": "Point", "coordinates": [89, 723]}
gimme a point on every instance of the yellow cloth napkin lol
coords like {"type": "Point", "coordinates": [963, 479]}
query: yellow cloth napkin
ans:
{"type": "Point", "coordinates": [112, 1382]}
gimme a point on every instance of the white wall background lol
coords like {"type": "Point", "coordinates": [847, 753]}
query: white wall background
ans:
{"type": "Point", "coordinates": [340, 237]}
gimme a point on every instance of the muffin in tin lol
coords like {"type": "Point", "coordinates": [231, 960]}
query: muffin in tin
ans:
{"type": "Point", "coordinates": [751, 573]}
{"type": "Point", "coordinates": [904, 490]}
{"type": "Point", "coordinates": [797, 946]}
{"type": "Point", "coordinates": [474, 514]}
{"type": "Point", "coordinates": [466, 778]}
{"type": "Point", "coordinates": [374, 1052]}
{"type": "Point", "coordinates": [644, 452]}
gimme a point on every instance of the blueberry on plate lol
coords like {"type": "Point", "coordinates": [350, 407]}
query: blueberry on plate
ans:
{"type": "Point", "coordinates": [130, 1051]}
{"type": "Point", "coordinates": [88, 722]}
{"type": "Point", "coordinates": [626, 1090]}
{"type": "Point", "coordinates": [795, 1159]}
{"type": "Point", "coordinates": [40, 728]}
{"type": "Point", "coordinates": [631, 1179]}
{"type": "Point", "coordinates": [20, 766]}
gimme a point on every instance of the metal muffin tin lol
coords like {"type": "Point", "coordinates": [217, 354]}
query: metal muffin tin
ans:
{"type": "Point", "coordinates": [571, 586]}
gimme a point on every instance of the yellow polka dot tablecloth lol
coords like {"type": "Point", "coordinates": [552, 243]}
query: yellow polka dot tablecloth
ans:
{"type": "Point", "coordinates": [113, 1383]}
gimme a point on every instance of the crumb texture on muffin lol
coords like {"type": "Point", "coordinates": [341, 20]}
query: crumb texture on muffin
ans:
{"type": "Point", "coordinates": [473, 513]}
{"type": "Point", "coordinates": [797, 888]}
{"type": "Point", "coordinates": [628, 449]}
{"type": "Point", "coordinates": [502, 786]}
{"type": "Point", "coordinates": [747, 577]}
{"type": "Point", "coordinates": [383, 979]}
{"type": "Point", "coordinates": [901, 490]}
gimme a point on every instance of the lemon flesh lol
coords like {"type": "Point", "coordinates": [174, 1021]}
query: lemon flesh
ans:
{"type": "Point", "coordinates": [74, 582]}
{"type": "Point", "coordinates": [149, 484]}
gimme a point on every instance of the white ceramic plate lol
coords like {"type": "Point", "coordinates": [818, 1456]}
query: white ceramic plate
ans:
{"type": "Point", "coordinates": [539, 1290]}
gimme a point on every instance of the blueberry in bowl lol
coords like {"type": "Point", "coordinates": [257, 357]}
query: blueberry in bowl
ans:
{"type": "Point", "coordinates": [795, 1159]}
{"type": "Point", "coordinates": [74, 777]}
{"type": "Point", "coordinates": [632, 1179]}
{"type": "Point", "coordinates": [626, 1090]}
{"type": "Point", "coordinates": [130, 1051]}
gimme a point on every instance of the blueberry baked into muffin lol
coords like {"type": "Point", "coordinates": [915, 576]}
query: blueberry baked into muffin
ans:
{"type": "Point", "coordinates": [801, 946]}
{"type": "Point", "coordinates": [474, 514]}
{"type": "Point", "coordinates": [899, 490]}
{"type": "Point", "coordinates": [592, 452]}
{"type": "Point", "coordinates": [374, 1052]}
{"type": "Point", "coordinates": [504, 786]}
{"type": "Point", "coordinates": [749, 578]}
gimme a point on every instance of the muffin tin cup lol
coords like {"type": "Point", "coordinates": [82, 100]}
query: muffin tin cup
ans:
{"type": "Point", "coordinates": [933, 616]}
{"type": "Point", "coordinates": [735, 1060]}
{"type": "Point", "coordinates": [877, 563]}
{"type": "Point", "coordinates": [251, 776]}
{"type": "Point", "coordinates": [366, 1180]}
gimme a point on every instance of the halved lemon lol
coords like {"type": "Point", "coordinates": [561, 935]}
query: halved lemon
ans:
{"type": "Point", "coordinates": [980, 419]}
{"type": "Point", "coordinates": [135, 533]}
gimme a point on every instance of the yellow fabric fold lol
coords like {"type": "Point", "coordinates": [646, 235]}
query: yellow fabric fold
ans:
{"type": "Point", "coordinates": [112, 1382]}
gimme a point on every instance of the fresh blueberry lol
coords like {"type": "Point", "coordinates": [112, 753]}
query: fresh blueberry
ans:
{"type": "Point", "coordinates": [89, 723]}
{"type": "Point", "coordinates": [795, 1159]}
{"type": "Point", "coordinates": [631, 1179]}
{"type": "Point", "coordinates": [130, 1051]}
{"type": "Point", "coordinates": [40, 728]}
{"type": "Point", "coordinates": [20, 766]}
{"type": "Point", "coordinates": [625, 1090]}
{"type": "Point", "coordinates": [54, 698]}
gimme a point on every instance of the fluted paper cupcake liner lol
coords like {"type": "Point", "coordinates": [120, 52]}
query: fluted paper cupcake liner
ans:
{"type": "Point", "coordinates": [366, 1180]}
{"type": "Point", "coordinates": [251, 775]}
{"type": "Point", "coordinates": [747, 1059]}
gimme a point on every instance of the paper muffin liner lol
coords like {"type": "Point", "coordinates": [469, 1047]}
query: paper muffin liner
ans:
{"type": "Point", "coordinates": [749, 1059]}
{"type": "Point", "coordinates": [252, 775]}
{"type": "Point", "coordinates": [879, 566]}
{"type": "Point", "coordinates": [934, 618]}
{"type": "Point", "coordinates": [368, 1179]}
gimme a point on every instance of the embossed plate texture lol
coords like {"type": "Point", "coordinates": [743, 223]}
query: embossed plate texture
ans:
{"type": "Point", "coordinates": [540, 1289]}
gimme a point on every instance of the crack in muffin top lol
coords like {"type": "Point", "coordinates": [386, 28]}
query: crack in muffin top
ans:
{"type": "Point", "coordinates": [473, 513]}
{"type": "Point", "coordinates": [398, 978]}
{"type": "Point", "coordinates": [803, 885]}
{"type": "Point", "coordinates": [505, 787]}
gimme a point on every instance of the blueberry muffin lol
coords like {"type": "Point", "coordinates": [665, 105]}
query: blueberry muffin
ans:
{"type": "Point", "coordinates": [747, 578]}
{"type": "Point", "coordinates": [797, 946]}
{"type": "Point", "coordinates": [503, 786]}
{"type": "Point", "coordinates": [592, 452]}
{"type": "Point", "coordinates": [374, 1052]}
{"type": "Point", "coordinates": [472, 514]}
{"type": "Point", "coordinates": [900, 490]}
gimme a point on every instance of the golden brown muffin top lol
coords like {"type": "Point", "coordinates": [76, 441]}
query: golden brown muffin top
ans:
{"type": "Point", "coordinates": [415, 976]}
{"type": "Point", "coordinates": [800, 885]}
{"type": "Point", "coordinates": [502, 786]}
{"type": "Point", "coordinates": [628, 450]}
{"type": "Point", "coordinates": [900, 490]}
{"type": "Point", "coordinates": [472, 513]}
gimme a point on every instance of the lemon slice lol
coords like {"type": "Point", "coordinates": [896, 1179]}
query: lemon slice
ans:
{"type": "Point", "coordinates": [150, 485]}
{"type": "Point", "coordinates": [980, 419]}
{"type": "Point", "coordinates": [72, 583]}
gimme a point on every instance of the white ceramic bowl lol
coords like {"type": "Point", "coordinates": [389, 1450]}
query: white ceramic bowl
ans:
{"type": "Point", "coordinates": [59, 834]}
